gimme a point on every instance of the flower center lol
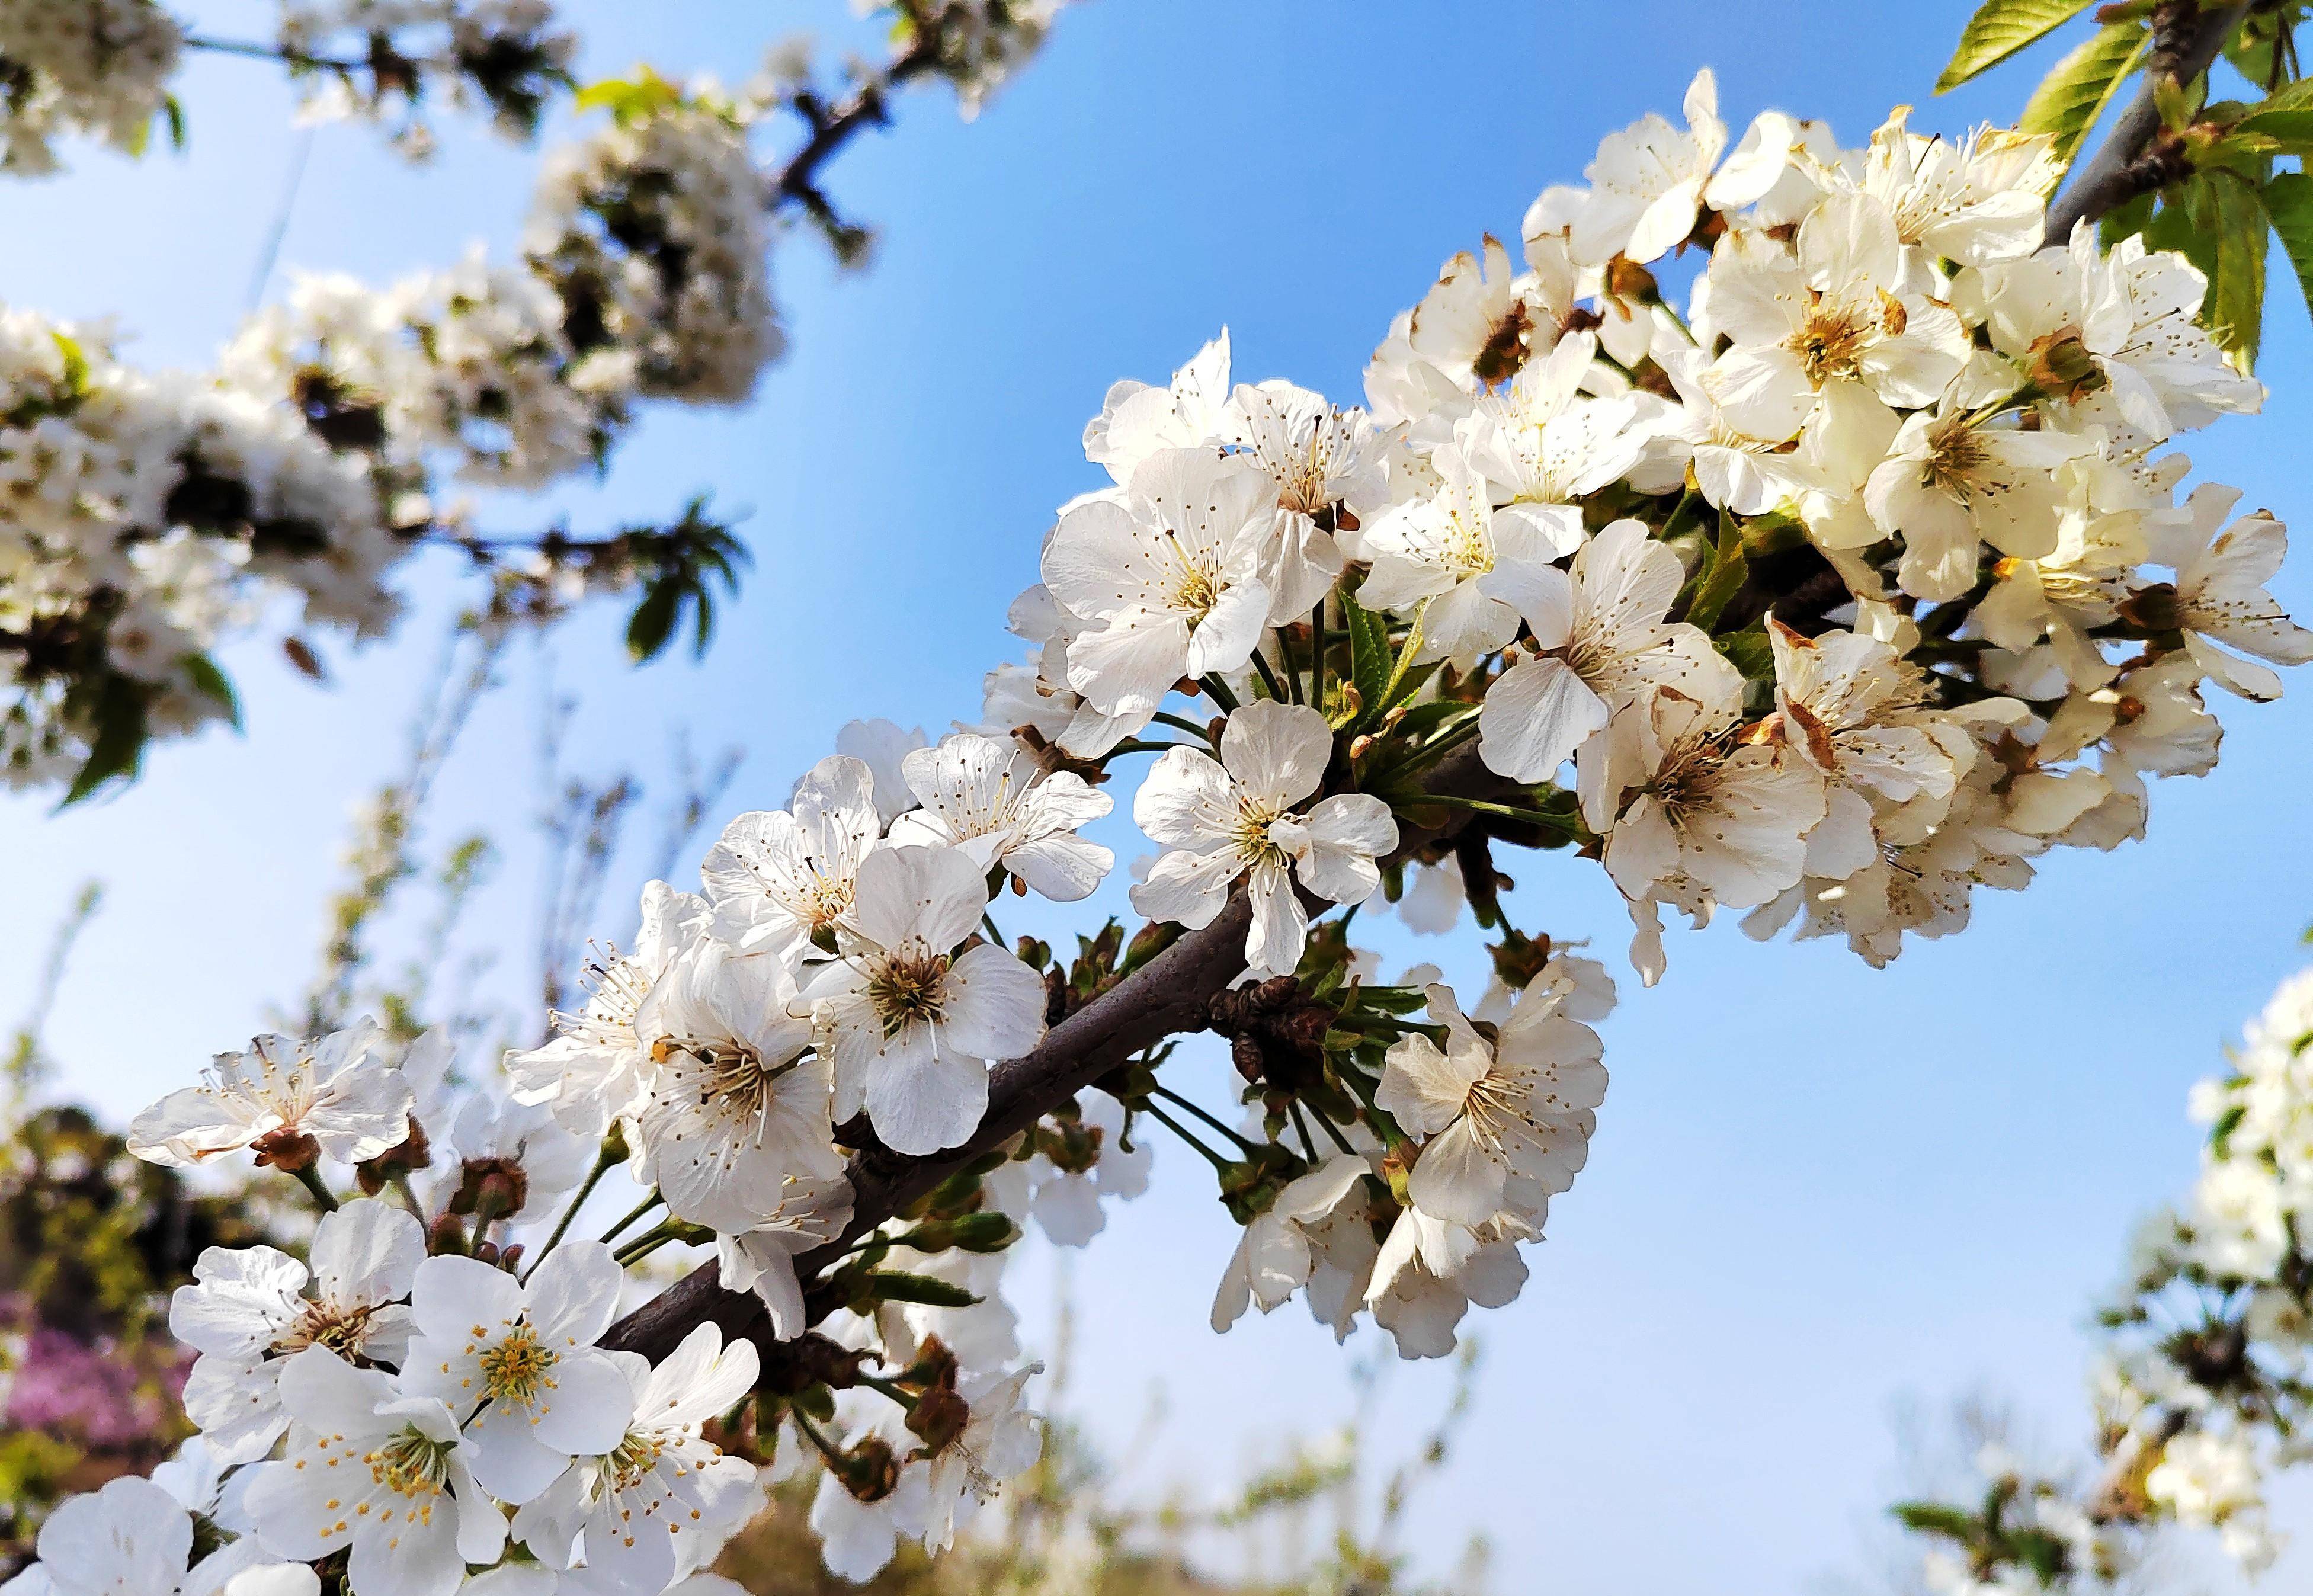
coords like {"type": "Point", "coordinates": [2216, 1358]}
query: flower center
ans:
{"type": "Point", "coordinates": [342, 1331]}
{"type": "Point", "coordinates": [411, 1464]}
{"type": "Point", "coordinates": [909, 988]}
{"type": "Point", "coordinates": [1831, 343]}
{"type": "Point", "coordinates": [632, 1462]}
{"type": "Point", "coordinates": [1955, 457]}
{"type": "Point", "coordinates": [1251, 833]}
{"type": "Point", "coordinates": [518, 1368]}
{"type": "Point", "coordinates": [1468, 549]}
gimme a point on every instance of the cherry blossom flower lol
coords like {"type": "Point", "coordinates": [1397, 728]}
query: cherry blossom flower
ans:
{"type": "Point", "coordinates": [781, 878]}
{"type": "Point", "coordinates": [999, 1440]}
{"type": "Point", "coordinates": [1169, 580]}
{"type": "Point", "coordinates": [383, 1472]}
{"type": "Point", "coordinates": [993, 800]}
{"type": "Point", "coordinates": [1650, 181]}
{"type": "Point", "coordinates": [594, 1071]}
{"type": "Point", "coordinates": [246, 1310]}
{"type": "Point", "coordinates": [286, 1100]}
{"type": "Point", "coordinates": [1274, 1258]}
{"type": "Point", "coordinates": [734, 1106]}
{"type": "Point", "coordinates": [884, 747]}
{"type": "Point", "coordinates": [130, 1537]}
{"type": "Point", "coordinates": [1826, 313]}
{"type": "Point", "coordinates": [658, 1505]}
{"type": "Point", "coordinates": [2070, 312]}
{"type": "Point", "coordinates": [1327, 465]}
{"type": "Point", "coordinates": [1427, 1274]}
{"type": "Point", "coordinates": [910, 1022]}
{"type": "Point", "coordinates": [1844, 698]}
{"type": "Point", "coordinates": [2220, 596]}
{"type": "Point", "coordinates": [1137, 421]}
{"type": "Point", "coordinates": [1516, 1109]}
{"type": "Point", "coordinates": [1949, 484]}
{"type": "Point", "coordinates": [1464, 564]}
{"type": "Point", "coordinates": [1234, 818]}
{"type": "Point", "coordinates": [1603, 642]}
{"type": "Point", "coordinates": [519, 1359]}
{"type": "Point", "coordinates": [805, 1214]}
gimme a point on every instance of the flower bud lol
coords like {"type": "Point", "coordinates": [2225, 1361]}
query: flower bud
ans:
{"type": "Point", "coordinates": [286, 1148]}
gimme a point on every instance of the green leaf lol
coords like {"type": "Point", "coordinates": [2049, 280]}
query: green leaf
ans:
{"type": "Point", "coordinates": [1369, 654]}
{"type": "Point", "coordinates": [1749, 651]}
{"type": "Point", "coordinates": [2289, 202]}
{"type": "Point", "coordinates": [2124, 221]}
{"type": "Point", "coordinates": [1719, 582]}
{"type": "Point", "coordinates": [1997, 30]}
{"type": "Point", "coordinates": [2285, 116]}
{"type": "Point", "coordinates": [119, 740]}
{"type": "Point", "coordinates": [172, 109]}
{"type": "Point", "coordinates": [211, 683]}
{"type": "Point", "coordinates": [2230, 209]}
{"type": "Point", "coordinates": [75, 364]}
{"type": "Point", "coordinates": [630, 100]}
{"type": "Point", "coordinates": [1936, 1518]}
{"type": "Point", "coordinates": [653, 621]}
{"type": "Point", "coordinates": [2073, 98]}
{"type": "Point", "coordinates": [896, 1285]}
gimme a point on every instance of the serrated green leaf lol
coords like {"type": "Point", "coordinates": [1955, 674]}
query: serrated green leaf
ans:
{"type": "Point", "coordinates": [2286, 115]}
{"type": "Point", "coordinates": [211, 683]}
{"type": "Point", "coordinates": [1719, 581]}
{"type": "Point", "coordinates": [2074, 96]}
{"type": "Point", "coordinates": [2289, 203]}
{"type": "Point", "coordinates": [1997, 30]}
{"type": "Point", "coordinates": [1369, 654]}
{"type": "Point", "coordinates": [2234, 311]}
{"type": "Point", "coordinates": [897, 1286]}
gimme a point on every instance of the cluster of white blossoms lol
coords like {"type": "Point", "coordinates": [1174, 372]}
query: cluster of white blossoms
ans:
{"type": "Point", "coordinates": [151, 514]}
{"type": "Point", "coordinates": [2200, 1390]}
{"type": "Point", "coordinates": [2204, 1384]}
{"type": "Point", "coordinates": [374, 59]}
{"type": "Point", "coordinates": [1831, 593]}
{"type": "Point", "coordinates": [95, 69]}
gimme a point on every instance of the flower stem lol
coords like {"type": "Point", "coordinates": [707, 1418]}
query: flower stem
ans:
{"type": "Point", "coordinates": [1181, 723]}
{"type": "Point", "coordinates": [1317, 654]}
{"type": "Point", "coordinates": [641, 1208]}
{"type": "Point", "coordinates": [1269, 677]}
{"type": "Point", "coordinates": [1334, 1131]}
{"type": "Point", "coordinates": [1301, 1124]}
{"type": "Point", "coordinates": [1136, 745]}
{"type": "Point", "coordinates": [1525, 817]}
{"type": "Point", "coordinates": [994, 935]}
{"type": "Point", "coordinates": [1219, 689]}
{"type": "Point", "coordinates": [310, 1179]}
{"type": "Point", "coordinates": [890, 1388]}
{"type": "Point", "coordinates": [1171, 1096]}
{"type": "Point", "coordinates": [602, 1162]}
{"type": "Point", "coordinates": [1181, 1131]}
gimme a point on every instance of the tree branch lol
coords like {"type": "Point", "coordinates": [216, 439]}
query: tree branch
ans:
{"type": "Point", "coordinates": [2186, 41]}
{"type": "Point", "coordinates": [1164, 997]}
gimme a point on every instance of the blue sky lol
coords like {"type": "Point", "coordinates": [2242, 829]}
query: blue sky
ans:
{"type": "Point", "coordinates": [1817, 1191]}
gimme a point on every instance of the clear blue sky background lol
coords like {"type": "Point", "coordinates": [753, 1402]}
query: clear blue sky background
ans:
{"type": "Point", "coordinates": [1817, 1191]}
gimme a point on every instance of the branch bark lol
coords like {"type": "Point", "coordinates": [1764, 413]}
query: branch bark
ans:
{"type": "Point", "coordinates": [2119, 172]}
{"type": "Point", "coordinates": [1166, 996]}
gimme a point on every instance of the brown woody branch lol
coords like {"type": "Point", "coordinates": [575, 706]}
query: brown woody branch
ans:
{"type": "Point", "coordinates": [1166, 996]}
{"type": "Point", "coordinates": [2186, 38]}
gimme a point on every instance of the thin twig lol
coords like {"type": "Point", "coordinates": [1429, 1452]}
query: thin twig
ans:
{"type": "Point", "coordinates": [2114, 175]}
